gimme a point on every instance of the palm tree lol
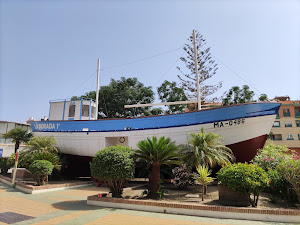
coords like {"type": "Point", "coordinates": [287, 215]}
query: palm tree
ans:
{"type": "Point", "coordinates": [42, 144]}
{"type": "Point", "coordinates": [18, 136]}
{"type": "Point", "coordinates": [208, 150]}
{"type": "Point", "coordinates": [156, 153]}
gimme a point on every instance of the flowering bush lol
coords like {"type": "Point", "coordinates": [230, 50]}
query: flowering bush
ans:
{"type": "Point", "coordinates": [183, 177]}
{"type": "Point", "coordinates": [269, 158]}
{"type": "Point", "coordinates": [290, 167]}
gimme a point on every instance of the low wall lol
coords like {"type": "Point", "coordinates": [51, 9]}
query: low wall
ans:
{"type": "Point", "coordinates": [242, 213]}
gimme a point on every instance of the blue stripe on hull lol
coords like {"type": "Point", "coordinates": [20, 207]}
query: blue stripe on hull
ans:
{"type": "Point", "coordinates": [158, 122]}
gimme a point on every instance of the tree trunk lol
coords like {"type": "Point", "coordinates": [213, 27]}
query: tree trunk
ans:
{"type": "Point", "coordinates": [17, 145]}
{"type": "Point", "coordinates": [154, 180]}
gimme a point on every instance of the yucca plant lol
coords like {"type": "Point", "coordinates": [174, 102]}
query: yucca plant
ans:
{"type": "Point", "coordinates": [156, 152]}
{"type": "Point", "coordinates": [203, 177]}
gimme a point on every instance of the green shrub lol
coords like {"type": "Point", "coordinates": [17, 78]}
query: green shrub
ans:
{"type": "Point", "coordinates": [41, 169]}
{"type": "Point", "coordinates": [114, 166]}
{"type": "Point", "coordinates": [24, 160]}
{"type": "Point", "coordinates": [48, 156]}
{"type": "Point", "coordinates": [4, 165]}
{"type": "Point", "coordinates": [249, 179]}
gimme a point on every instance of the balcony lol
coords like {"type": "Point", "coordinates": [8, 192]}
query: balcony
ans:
{"type": "Point", "coordinates": [297, 112]}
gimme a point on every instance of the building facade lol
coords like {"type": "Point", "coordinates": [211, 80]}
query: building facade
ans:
{"type": "Point", "coordinates": [7, 147]}
{"type": "Point", "coordinates": [286, 127]}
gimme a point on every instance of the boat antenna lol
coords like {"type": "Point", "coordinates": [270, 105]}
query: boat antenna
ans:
{"type": "Point", "coordinates": [196, 71]}
{"type": "Point", "coordinates": [97, 88]}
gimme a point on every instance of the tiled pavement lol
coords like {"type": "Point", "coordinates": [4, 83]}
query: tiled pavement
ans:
{"type": "Point", "coordinates": [69, 207]}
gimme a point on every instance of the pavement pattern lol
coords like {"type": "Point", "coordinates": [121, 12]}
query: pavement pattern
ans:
{"type": "Point", "coordinates": [69, 207]}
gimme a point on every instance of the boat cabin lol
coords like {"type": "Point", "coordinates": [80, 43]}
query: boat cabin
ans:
{"type": "Point", "coordinates": [82, 109]}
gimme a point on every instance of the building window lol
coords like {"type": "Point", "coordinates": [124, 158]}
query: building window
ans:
{"type": "Point", "coordinates": [288, 124]}
{"type": "Point", "coordinates": [297, 123]}
{"type": "Point", "coordinates": [276, 124]}
{"type": "Point", "coordinates": [277, 116]}
{"type": "Point", "coordinates": [286, 112]}
{"type": "Point", "coordinates": [277, 137]}
{"type": "Point", "coordinates": [289, 137]}
{"type": "Point", "coordinates": [298, 136]}
{"type": "Point", "coordinates": [297, 112]}
{"type": "Point", "coordinates": [72, 109]}
{"type": "Point", "coordinates": [85, 110]}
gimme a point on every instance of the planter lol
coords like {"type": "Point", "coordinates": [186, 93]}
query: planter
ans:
{"type": "Point", "coordinates": [232, 198]}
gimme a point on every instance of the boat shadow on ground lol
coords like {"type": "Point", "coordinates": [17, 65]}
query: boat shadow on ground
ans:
{"type": "Point", "coordinates": [78, 205]}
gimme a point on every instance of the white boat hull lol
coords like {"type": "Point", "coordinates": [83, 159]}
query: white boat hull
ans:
{"type": "Point", "coordinates": [88, 143]}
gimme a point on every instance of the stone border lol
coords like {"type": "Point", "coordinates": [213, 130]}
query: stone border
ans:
{"type": "Point", "coordinates": [225, 212]}
{"type": "Point", "coordinates": [29, 189]}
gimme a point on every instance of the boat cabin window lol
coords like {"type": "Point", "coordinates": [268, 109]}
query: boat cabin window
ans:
{"type": "Point", "coordinates": [85, 110]}
{"type": "Point", "coordinates": [72, 110]}
{"type": "Point", "coordinates": [94, 112]}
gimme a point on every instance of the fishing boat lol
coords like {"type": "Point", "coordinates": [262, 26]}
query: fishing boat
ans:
{"type": "Point", "coordinates": [244, 127]}
{"type": "Point", "coordinates": [78, 133]}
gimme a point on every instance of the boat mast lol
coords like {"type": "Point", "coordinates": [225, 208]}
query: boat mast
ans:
{"type": "Point", "coordinates": [196, 71]}
{"type": "Point", "coordinates": [97, 88]}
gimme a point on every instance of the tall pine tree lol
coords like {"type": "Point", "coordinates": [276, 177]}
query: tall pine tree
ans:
{"type": "Point", "coordinates": [207, 67]}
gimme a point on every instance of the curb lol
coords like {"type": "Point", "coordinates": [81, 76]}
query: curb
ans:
{"type": "Point", "coordinates": [224, 212]}
{"type": "Point", "coordinates": [42, 189]}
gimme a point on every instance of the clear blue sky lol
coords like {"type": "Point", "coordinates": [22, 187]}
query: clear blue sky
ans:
{"type": "Point", "coordinates": [49, 49]}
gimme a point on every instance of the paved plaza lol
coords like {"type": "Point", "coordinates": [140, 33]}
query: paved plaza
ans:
{"type": "Point", "coordinates": [69, 207]}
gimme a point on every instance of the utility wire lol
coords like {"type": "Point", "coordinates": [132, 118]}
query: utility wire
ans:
{"type": "Point", "coordinates": [235, 73]}
{"type": "Point", "coordinates": [139, 60]}
{"type": "Point", "coordinates": [83, 83]}
{"type": "Point", "coordinates": [124, 64]}
{"type": "Point", "coordinates": [150, 57]}
{"type": "Point", "coordinates": [168, 70]}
